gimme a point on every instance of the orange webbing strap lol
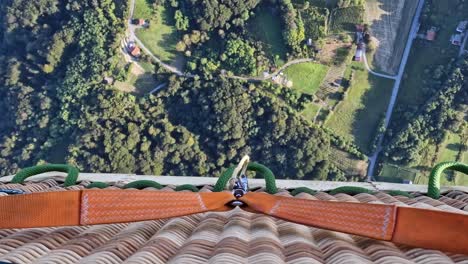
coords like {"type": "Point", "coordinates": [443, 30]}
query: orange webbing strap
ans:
{"type": "Point", "coordinates": [432, 229]}
{"type": "Point", "coordinates": [40, 209]}
{"type": "Point", "coordinates": [88, 207]}
{"type": "Point", "coordinates": [404, 225]}
{"type": "Point", "coordinates": [118, 206]}
{"type": "Point", "coordinates": [410, 226]}
{"type": "Point", "coordinates": [370, 220]}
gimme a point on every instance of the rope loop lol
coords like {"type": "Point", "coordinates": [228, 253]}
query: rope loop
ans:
{"type": "Point", "coordinates": [266, 173]}
{"type": "Point", "coordinates": [141, 184]}
{"type": "Point", "coordinates": [433, 190]}
{"type": "Point", "coordinates": [72, 173]}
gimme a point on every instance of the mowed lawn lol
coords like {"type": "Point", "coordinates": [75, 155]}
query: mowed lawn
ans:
{"type": "Point", "coordinates": [161, 37]}
{"type": "Point", "coordinates": [266, 28]}
{"type": "Point", "coordinates": [306, 77]}
{"type": "Point", "coordinates": [449, 151]}
{"type": "Point", "coordinates": [358, 116]}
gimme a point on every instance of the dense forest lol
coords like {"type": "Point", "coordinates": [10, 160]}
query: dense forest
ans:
{"type": "Point", "coordinates": [56, 108]}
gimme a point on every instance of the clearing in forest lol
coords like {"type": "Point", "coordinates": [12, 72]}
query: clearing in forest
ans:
{"type": "Point", "coordinates": [143, 9]}
{"type": "Point", "coordinates": [390, 22]}
{"type": "Point", "coordinates": [306, 77]}
{"type": "Point", "coordinates": [161, 37]}
{"type": "Point", "coordinates": [266, 27]}
{"type": "Point", "coordinates": [138, 81]}
{"type": "Point", "coordinates": [358, 116]}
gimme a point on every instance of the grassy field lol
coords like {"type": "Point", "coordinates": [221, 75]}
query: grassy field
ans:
{"type": "Point", "coordinates": [306, 77]}
{"type": "Point", "coordinates": [266, 27]}
{"type": "Point", "coordinates": [161, 37]}
{"type": "Point", "coordinates": [396, 174]}
{"type": "Point", "coordinates": [143, 9]}
{"type": "Point", "coordinates": [357, 117]}
{"type": "Point", "coordinates": [310, 111]}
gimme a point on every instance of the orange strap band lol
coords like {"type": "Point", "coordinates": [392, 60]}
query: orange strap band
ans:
{"type": "Point", "coordinates": [404, 225]}
{"type": "Point", "coordinates": [40, 209]}
{"type": "Point", "coordinates": [90, 207]}
{"type": "Point", "coordinates": [411, 226]}
{"type": "Point", "coordinates": [432, 229]}
{"type": "Point", "coordinates": [370, 220]}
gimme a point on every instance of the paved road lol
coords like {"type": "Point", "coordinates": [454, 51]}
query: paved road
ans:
{"type": "Point", "coordinates": [396, 87]}
{"type": "Point", "coordinates": [376, 73]}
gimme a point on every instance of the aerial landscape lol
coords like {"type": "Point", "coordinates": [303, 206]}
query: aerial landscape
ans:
{"type": "Point", "coordinates": [234, 131]}
{"type": "Point", "coordinates": [338, 90]}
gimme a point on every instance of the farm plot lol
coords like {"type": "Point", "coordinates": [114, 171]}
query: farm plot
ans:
{"type": "Point", "coordinates": [358, 116]}
{"type": "Point", "coordinates": [390, 23]}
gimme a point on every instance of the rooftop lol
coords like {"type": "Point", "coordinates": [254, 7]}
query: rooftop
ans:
{"type": "Point", "coordinates": [236, 236]}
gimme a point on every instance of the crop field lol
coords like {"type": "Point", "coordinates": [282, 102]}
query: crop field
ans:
{"type": "Point", "coordinates": [306, 77]}
{"type": "Point", "coordinates": [357, 117]}
{"type": "Point", "coordinates": [390, 23]}
{"type": "Point", "coordinates": [348, 163]}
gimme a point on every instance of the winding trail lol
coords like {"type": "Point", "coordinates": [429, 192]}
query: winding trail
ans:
{"type": "Point", "coordinates": [396, 87]}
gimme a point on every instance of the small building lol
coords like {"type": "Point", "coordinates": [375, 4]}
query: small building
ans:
{"type": "Point", "coordinates": [309, 42]}
{"type": "Point", "coordinates": [431, 34]}
{"type": "Point", "coordinates": [456, 39]}
{"type": "Point", "coordinates": [359, 52]}
{"type": "Point", "coordinates": [462, 26]}
{"type": "Point", "coordinates": [139, 22]}
{"type": "Point", "coordinates": [135, 51]}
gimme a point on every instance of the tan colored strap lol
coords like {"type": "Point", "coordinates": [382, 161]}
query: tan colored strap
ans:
{"type": "Point", "coordinates": [40, 209]}
{"type": "Point", "coordinates": [370, 220]}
